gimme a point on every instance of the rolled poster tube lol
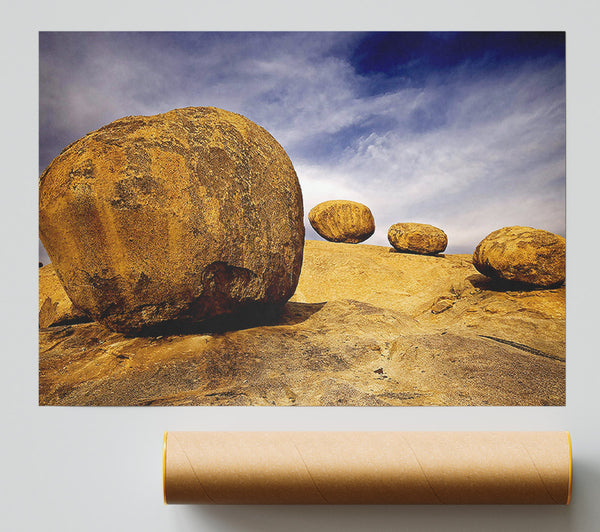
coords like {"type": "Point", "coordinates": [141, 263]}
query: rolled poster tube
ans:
{"type": "Point", "coordinates": [367, 468]}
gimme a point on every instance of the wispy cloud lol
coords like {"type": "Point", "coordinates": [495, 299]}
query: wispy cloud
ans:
{"type": "Point", "coordinates": [470, 147]}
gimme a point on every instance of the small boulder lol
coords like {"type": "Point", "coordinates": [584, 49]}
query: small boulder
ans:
{"type": "Point", "coordinates": [55, 307]}
{"type": "Point", "coordinates": [342, 221]}
{"type": "Point", "coordinates": [522, 254]}
{"type": "Point", "coordinates": [417, 238]}
{"type": "Point", "coordinates": [173, 218]}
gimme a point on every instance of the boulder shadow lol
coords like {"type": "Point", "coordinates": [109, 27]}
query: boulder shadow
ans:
{"type": "Point", "coordinates": [501, 285]}
{"type": "Point", "coordinates": [296, 312]}
{"type": "Point", "coordinates": [291, 313]}
{"type": "Point", "coordinates": [415, 254]}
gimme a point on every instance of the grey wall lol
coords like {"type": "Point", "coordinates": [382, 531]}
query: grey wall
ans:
{"type": "Point", "coordinates": [98, 469]}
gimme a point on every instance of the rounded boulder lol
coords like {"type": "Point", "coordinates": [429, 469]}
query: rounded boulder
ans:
{"type": "Point", "coordinates": [417, 238]}
{"type": "Point", "coordinates": [175, 217]}
{"type": "Point", "coordinates": [522, 254]}
{"type": "Point", "coordinates": [342, 221]}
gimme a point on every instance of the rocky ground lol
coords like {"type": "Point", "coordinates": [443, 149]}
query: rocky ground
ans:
{"type": "Point", "coordinates": [367, 326]}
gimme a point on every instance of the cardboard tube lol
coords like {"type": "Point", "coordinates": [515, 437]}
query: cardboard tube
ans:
{"type": "Point", "coordinates": [367, 467]}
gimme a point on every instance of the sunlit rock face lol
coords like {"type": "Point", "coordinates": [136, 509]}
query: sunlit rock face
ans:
{"type": "Point", "coordinates": [55, 307]}
{"type": "Point", "coordinates": [367, 326]}
{"type": "Point", "coordinates": [176, 217]}
{"type": "Point", "coordinates": [342, 221]}
{"type": "Point", "coordinates": [424, 239]}
{"type": "Point", "coordinates": [522, 254]}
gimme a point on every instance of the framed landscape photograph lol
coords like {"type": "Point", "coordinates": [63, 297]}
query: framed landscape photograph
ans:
{"type": "Point", "coordinates": [302, 218]}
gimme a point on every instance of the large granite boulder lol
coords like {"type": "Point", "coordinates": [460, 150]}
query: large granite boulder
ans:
{"type": "Point", "coordinates": [417, 238]}
{"type": "Point", "coordinates": [342, 221]}
{"type": "Point", "coordinates": [55, 307]}
{"type": "Point", "coordinates": [181, 216]}
{"type": "Point", "coordinates": [522, 254]}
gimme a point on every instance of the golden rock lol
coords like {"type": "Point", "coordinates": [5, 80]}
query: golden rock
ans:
{"type": "Point", "coordinates": [180, 216]}
{"type": "Point", "coordinates": [342, 221]}
{"type": "Point", "coordinates": [424, 239]}
{"type": "Point", "coordinates": [522, 254]}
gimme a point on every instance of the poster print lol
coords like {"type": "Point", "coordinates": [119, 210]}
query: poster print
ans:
{"type": "Point", "coordinates": [342, 218]}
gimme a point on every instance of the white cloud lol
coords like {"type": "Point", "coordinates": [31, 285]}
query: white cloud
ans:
{"type": "Point", "coordinates": [473, 151]}
{"type": "Point", "coordinates": [472, 175]}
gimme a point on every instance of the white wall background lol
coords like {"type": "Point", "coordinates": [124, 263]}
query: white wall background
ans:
{"type": "Point", "coordinates": [98, 469]}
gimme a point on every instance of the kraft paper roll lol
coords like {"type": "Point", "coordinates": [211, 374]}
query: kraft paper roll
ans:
{"type": "Point", "coordinates": [367, 467]}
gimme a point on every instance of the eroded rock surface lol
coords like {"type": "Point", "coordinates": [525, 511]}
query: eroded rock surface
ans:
{"type": "Point", "coordinates": [55, 307]}
{"type": "Point", "coordinates": [188, 214]}
{"type": "Point", "coordinates": [342, 221]}
{"type": "Point", "coordinates": [522, 254]}
{"type": "Point", "coordinates": [366, 326]}
{"type": "Point", "coordinates": [417, 238]}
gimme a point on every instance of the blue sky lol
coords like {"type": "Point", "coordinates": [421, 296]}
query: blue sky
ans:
{"type": "Point", "coordinates": [465, 131]}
